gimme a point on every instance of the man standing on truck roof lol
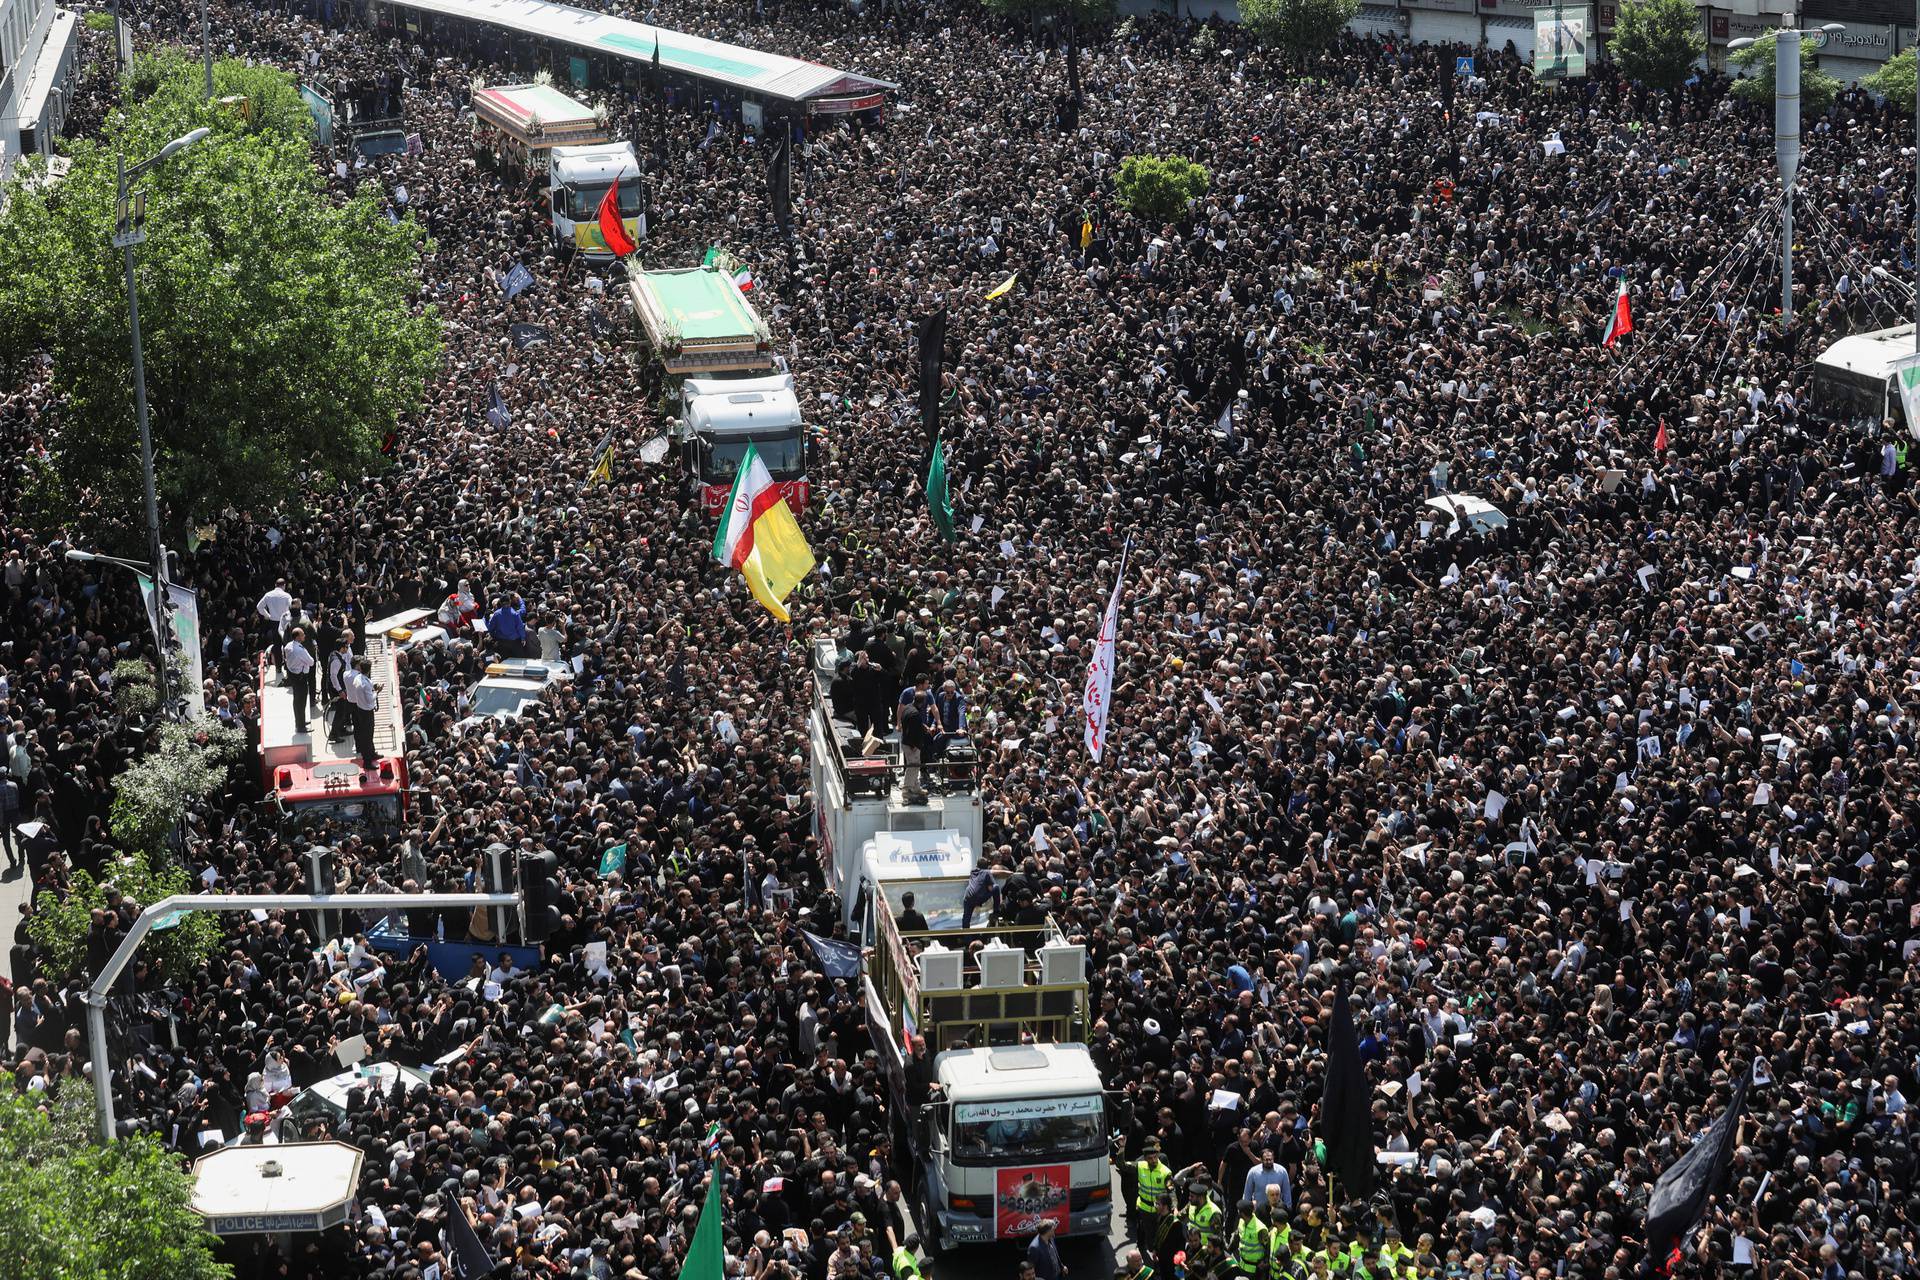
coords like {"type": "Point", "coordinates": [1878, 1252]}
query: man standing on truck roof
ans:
{"type": "Point", "coordinates": [364, 697]}
{"type": "Point", "coordinates": [300, 675]}
{"type": "Point", "coordinates": [273, 609]}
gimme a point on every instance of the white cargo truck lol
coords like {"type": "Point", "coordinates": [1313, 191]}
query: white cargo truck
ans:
{"type": "Point", "coordinates": [980, 1025]}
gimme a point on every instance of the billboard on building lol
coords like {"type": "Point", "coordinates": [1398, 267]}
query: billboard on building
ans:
{"type": "Point", "coordinates": [1560, 36]}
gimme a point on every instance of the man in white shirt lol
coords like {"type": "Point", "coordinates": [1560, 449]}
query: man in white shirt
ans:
{"type": "Point", "coordinates": [299, 660]}
{"type": "Point", "coordinates": [363, 697]}
{"type": "Point", "coordinates": [273, 610]}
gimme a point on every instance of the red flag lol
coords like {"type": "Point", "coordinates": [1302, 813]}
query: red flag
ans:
{"type": "Point", "coordinates": [612, 229]}
{"type": "Point", "coordinates": [1660, 438]}
{"type": "Point", "coordinates": [1622, 321]}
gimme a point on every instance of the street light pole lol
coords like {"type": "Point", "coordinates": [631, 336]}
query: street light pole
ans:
{"type": "Point", "coordinates": [1786, 139]}
{"type": "Point", "coordinates": [1786, 150]}
{"type": "Point", "coordinates": [206, 47]}
{"type": "Point", "coordinates": [178, 905]}
{"type": "Point", "coordinates": [127, 234]}
{"type": "Point", "coordinates": [129, 230]}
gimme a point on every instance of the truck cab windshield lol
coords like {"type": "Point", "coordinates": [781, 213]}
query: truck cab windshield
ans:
{"type": "Point", "coordinates": [782, 454]}
{"type": "Point", "coordinates": [1022, 1138]}
{"type": "Point", "coordinates": [583, 203]}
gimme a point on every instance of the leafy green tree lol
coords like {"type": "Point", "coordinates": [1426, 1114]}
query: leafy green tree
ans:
{"type": "Point", "coordinates": [172, 83]}
{"type": "Point", "coordinates": [1817, 88]}
{"type": "Point", "coordinates": [1657, 41]}
{"type": "Point", "coordinates": [1299, 27]}
{"type": "Point", "coordinates": [189, 765]}
{"type": "Point", "coordinates": [1157, 188]}
{"type": "Point", "coordinates": [71, 1209]}
{"type": "Point", "coordinates": [59, 928]}
{"type": "Point", "coordinates": [1894, 81]}
{"type": "Point", "coordinates": [281, 332]}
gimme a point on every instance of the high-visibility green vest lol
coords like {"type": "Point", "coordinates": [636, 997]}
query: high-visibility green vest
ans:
{"type": "Point", "coordinates": [1205, 1218]}
{"type": "Point", "coordinates": [1281, 1233]}
{"type": "Point", "coordinates": [1150, 1196]}
{"type": "Point", "coordinates": [1253, 1244]}
{"type": "Point", "coordinates": [905, 1267]}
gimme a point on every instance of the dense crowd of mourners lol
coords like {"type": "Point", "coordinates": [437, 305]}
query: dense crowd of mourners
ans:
{"type": "Point", "coordinates": [1595, 812]}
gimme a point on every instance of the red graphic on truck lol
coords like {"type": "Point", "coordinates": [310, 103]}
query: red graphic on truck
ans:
{"type": "Point", "coordinates": [1025, 1198]}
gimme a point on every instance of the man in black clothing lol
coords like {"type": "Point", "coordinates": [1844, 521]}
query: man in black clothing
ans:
{"type": "Point", "coordinates": [910, 920]}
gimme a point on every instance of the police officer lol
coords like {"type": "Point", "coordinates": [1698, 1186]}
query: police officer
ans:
{"type": "Point", "coordinates": [1394, 1255]}
{"type": "Point", "coordinates": [1250, 1239]}
{"type": "Point", "coordinates": [904, 1265]}
{"type": "Point", "coordinates": [1281, 1263]}
{"type": "Point", "coordinates": [1152, 1195]}
{"type": "Point", "coordinates": [1279, 1230]}
{"type": "Point", "coordinates": [1205, 1218]}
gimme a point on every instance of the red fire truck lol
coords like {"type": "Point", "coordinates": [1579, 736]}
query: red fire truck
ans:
{"type": "Point", "coordinates": [313, 776]}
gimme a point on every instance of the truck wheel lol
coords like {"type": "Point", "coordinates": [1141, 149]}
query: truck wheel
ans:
{"type": "Point", "coordinates": [933, 1241]}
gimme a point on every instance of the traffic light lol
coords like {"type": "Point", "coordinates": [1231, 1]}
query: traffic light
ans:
{"type": "Point", "coordinates": [539, 896]}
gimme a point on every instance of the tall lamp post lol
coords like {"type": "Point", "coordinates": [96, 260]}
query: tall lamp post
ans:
{"type": "Point", "coordinates": [129, 230]}
{"type": "Point", "coordinates": [1786, 137]}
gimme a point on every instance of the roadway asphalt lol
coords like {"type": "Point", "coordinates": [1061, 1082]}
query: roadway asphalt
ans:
{"type": "Point", "coordinates": [15, 889]}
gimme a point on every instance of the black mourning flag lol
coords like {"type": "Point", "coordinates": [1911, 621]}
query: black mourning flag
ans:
{"type": "Point", "coordinates": [1681, 1194]}
{"type": "Point", "coordinates": [1346, 1109]}
{"type": "Point", "coordinates": [838, 959]}
{"type": "Point", "coordinates": [780, 182]}
{"type": "Point", "coordinates": [468, 1257]}
{"type": "Point", "coordinates": [933, 348]}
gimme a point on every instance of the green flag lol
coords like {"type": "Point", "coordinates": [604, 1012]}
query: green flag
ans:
{"type": "Point", "coordinates": [614, 859]}
{"type": "Point", "coordinates": [939, 500]}
{"type": "Point", "coordinates": [706, 1258]}
{"type": "Point", "coordinates": [713, 256]}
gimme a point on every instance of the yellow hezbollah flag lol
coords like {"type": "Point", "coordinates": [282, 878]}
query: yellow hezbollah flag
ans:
{"type": "Point", "coordinates": [1004, 287]}
{"type": "Point", "coordinates": [759, 536]}
{"type": "Point", "coordinates": [1086, 232]}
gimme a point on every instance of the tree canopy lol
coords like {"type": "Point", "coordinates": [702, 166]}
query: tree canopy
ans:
{"type": "Point", "coordinates": [1157, 188]}
{"type": "Point", "coordinates": [1894, 80]}
{"type": "Point", "coordinates": [71, 1209]}
{"type": "Point", "coordinates": [1298, 26]}
{"type": "Point", "coordinates": [281, 336]}
{"type": "Point", "coordinates": [1656, 41]}
{"type": "Point", "coordinates": [1817, 88]}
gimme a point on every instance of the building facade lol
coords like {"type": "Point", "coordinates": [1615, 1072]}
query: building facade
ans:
{"type": "Point", "coordinates": [37, 49]}
{"type": "Point", "coordinates": [1874, 30]}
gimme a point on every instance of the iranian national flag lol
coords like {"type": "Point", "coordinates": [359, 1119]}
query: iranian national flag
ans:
{"type": "Point", "coordinates": [759, 536]}
{"type": "Point", "coordinates": [744, 279]}
{"type": "Point", "coordinates": [1622, 321]}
